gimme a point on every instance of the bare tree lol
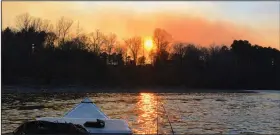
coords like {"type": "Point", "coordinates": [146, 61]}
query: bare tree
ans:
{"type": "Point", "coordinates": [134, 44]}
{"type": "Point", "coordinates": [50, 39]}
{"type": "Point", "coordinates": [119, 49]}
{"type": "Point", "coordinates": [142, 60]}
{"type": "Point", "coordinates": [152, 56]}
{"type": "Point", "coordinates": [81, 41]}
{"type": "Point", "coordinates": [79, 30]}
{"type": "Point", "coordinates": [23, 21]}
{"type": "Point", "coordinates": [179, 49]}
{"type": "Point", "coordinates": [96, 40]}
{"type": "Point", "coordinates": [37, 24]}
{"type": "Point", "coordinates": [63, 27]}
{"type": "Point", "coordinates": [110, 42]}
{"type": "Point", "coordinates": [161, 39]}
{"type": "Point", "coordinates": [47, 26]}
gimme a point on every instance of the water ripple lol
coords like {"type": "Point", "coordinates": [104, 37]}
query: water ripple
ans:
{"type": "Point", "coordinates": [190, 113]}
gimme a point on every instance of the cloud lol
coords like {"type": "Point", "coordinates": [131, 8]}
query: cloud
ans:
{"type": "Point", "coordinates": [198, 30]}
{"type": "Point", "coordinates": [194, 25]}
{"type": "Point", "coordinates": [203, 31]}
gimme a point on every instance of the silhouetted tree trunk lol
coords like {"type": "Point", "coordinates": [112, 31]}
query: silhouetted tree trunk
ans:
{"type": "Point", "coordinates": [63, 26]}
{"type": "Point", "coordinates": [97, 39]}
{"type": "Point", "coordinates": [134, 45]}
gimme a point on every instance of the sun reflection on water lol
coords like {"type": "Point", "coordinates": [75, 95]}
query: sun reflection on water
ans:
{"type": "Point", "coordinates": [147, 115]}
{"type": "Point", "coordinates": [230, 113]}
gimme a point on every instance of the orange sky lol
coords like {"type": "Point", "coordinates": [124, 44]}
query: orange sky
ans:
{"type": "Point", "coordinates": [201, 23]}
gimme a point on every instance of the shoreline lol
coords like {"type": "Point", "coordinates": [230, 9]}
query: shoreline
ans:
{"type": "Point", "coordinates": [95, 89]}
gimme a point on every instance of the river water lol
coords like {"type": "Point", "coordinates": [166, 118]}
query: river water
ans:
{"type": "Point", "coordinates": [149, 113]}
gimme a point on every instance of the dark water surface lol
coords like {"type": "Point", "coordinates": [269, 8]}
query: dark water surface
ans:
{"type": "Point", "coordinates": [189, 113]}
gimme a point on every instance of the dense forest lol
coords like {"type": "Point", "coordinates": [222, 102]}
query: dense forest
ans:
{"type": "Point", "coordinates": [48, 54]}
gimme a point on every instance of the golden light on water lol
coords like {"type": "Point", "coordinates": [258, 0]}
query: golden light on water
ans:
{"type": "Point", "coordinates": [147, 115]}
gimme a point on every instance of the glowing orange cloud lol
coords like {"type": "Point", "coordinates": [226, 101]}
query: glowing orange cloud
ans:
{"type": "Point", "coordinates": [197, 30]}
{"type": "Point", "coordinates": [125, 22]}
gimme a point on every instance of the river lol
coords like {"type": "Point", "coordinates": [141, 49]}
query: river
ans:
{"type": "Point", "coordinates": [147, 113]}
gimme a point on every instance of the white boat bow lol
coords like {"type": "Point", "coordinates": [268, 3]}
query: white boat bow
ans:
{"type": "Point", "coordinates": [87, 111]}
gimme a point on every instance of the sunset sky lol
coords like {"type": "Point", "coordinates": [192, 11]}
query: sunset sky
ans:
{"type": "Point", "coordinates": [201, 23]}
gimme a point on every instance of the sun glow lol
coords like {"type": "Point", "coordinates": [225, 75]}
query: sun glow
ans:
{"type": "Point", "coordinates": [148, 44]}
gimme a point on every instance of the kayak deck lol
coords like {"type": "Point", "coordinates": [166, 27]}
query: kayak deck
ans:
{"type": "Point", "coordinates": [112, 126]}
{"type": "Point", "coordinates": [88, 111]}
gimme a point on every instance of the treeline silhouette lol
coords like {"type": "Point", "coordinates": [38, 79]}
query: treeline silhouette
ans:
{"type": "Point", "coordinates": [48, 55]}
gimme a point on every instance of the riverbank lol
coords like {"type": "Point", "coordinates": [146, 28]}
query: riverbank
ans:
{"type": "Point", "coordinates": [95, 89]}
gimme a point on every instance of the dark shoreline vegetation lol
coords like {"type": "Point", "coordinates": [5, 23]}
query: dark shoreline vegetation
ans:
{"type": "Point", "coordinates": [37, 53]}
{"type": "Point", "coordinates": [91, 89]}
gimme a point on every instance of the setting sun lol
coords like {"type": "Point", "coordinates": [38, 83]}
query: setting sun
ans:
{"type": "Point", "coordinates": [148, 44]}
